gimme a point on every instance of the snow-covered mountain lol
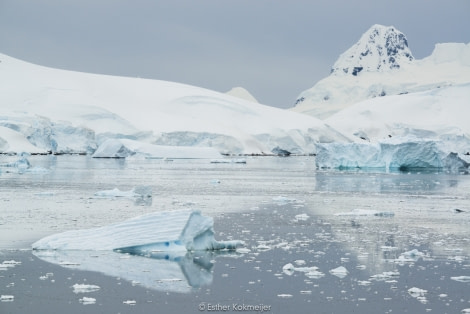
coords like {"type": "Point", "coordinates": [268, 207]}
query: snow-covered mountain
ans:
{"type": "Point", "coordinates": [381, 64]}
{"type": "Point", "coordinates": [45, 109]}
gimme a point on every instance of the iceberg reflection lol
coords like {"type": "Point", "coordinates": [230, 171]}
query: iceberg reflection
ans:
{"type": "Point", "coordinates": [164, 271]}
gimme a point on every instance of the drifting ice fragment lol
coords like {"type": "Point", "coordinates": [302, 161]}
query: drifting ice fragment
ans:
{"type": "Point", "coordinates": [160, 231]}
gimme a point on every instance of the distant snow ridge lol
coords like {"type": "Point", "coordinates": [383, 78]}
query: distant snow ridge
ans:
{"type": "Point", "coordinates": [380, 49]}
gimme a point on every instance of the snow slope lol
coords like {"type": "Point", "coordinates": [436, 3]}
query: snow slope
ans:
{"type": "Point", "coordinates": [381, 64]}
{"type": "Point", "coordinates": [65, 111]}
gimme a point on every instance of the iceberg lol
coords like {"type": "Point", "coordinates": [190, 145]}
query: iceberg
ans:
{"type": "Point", "coordinates": [177, 231]}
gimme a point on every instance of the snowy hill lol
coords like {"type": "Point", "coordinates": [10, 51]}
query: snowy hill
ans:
{"type": "Point", "coordinates": [381, 64]}
{"type": "Point", "coordinates": [45, 109]}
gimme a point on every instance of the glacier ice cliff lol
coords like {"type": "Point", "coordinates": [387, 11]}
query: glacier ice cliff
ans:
{"type": "Point", "coordinates": [170, 231]}
{"type": "Point", "coordinates": [395, 154]}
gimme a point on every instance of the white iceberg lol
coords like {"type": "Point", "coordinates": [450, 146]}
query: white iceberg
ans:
{"type": "Point", "coordinates": [181, 230]}
{"type": "Point", "coordinates": [122, 148]}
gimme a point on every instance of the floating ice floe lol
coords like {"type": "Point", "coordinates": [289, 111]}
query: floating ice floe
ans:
{"type": "Point", "coordinates": [83, 288]}
{"type": "Point", "coordinates": [87, 300]}
{"type": "Point", "coordinates": [22, 165]}
{"type": "Point", "coordinates": [6, 298]}
{"type": "Point", "coordinates": [301, 217]}
{"type": "Point", "coordinates": [461, 278]}
{"type": "Point", "coordinates": [283, 200]}
{"type": "Point", "coordinates": [366, 212]}
{"type": "Point", "coordinates": [289, 269]}
{"type": "Point", "coordinates": [142, 195]}
{"type": "Point", "coordinates": [410, 256]}
{"type": "Point", "coordinates": [418, 294]}
{"type": "Point", "coordinates": [386, 275]}
{"type": "Point", "coordinates": [9, 264]}
{"type": "Point", "coordinates": [340, 272]}
{"type": "Point", "coordinates": [181, 230]}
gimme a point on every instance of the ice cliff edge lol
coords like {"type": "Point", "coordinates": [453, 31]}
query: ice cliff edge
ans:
{"type": "Point", "coordinates": [180, 230]}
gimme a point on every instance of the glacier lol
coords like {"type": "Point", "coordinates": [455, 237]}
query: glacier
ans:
{"type": "Point", "coordinates": [63, 112]}
{"type": "Point", "coordinates": [170, 231]}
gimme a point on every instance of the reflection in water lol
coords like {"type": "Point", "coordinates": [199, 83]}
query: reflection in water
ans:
{"type": "Point", "coordinates": [175, 272]}
{"type": "Point", "coordinates": [370, 182]}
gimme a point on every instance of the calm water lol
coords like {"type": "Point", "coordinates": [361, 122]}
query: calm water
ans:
{"type": "Point", "coordinates": [283, 208]}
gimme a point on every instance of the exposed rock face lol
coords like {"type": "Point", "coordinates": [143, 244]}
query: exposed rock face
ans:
{"type": "Point", "coordinates": [381, 48]}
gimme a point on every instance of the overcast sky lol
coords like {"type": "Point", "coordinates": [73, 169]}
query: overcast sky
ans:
{"type": "Point", "coordinates": [273, 48]}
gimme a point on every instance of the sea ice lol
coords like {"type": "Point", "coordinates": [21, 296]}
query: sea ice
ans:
{"type": "Point", "coordinates": [180, 230]}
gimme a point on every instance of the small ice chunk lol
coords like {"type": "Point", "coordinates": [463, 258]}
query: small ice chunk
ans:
{"type": "Point", "coordinates": [129, 302]}
{"type": "Point", "coordinates": [417, 292]}
{"type": "Point", "coordinates": [284, 295]}
{"type": "Point", "coordinates": [82, 288]}
{"type": "Point", "coordinates": [302, 217]}
{"type": "Point", "coordinates": [87, 300]}
{"type": "Point", "coordinates": [340, 272]}
{"type": "Point", "coordinates": [289, 269]}
{"type": "Point", "coordinates": [314, 274]}
{"type": "Point", "coordinates": [385, 275]}
{"type": "Point", "coordinates": [6, 298]}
